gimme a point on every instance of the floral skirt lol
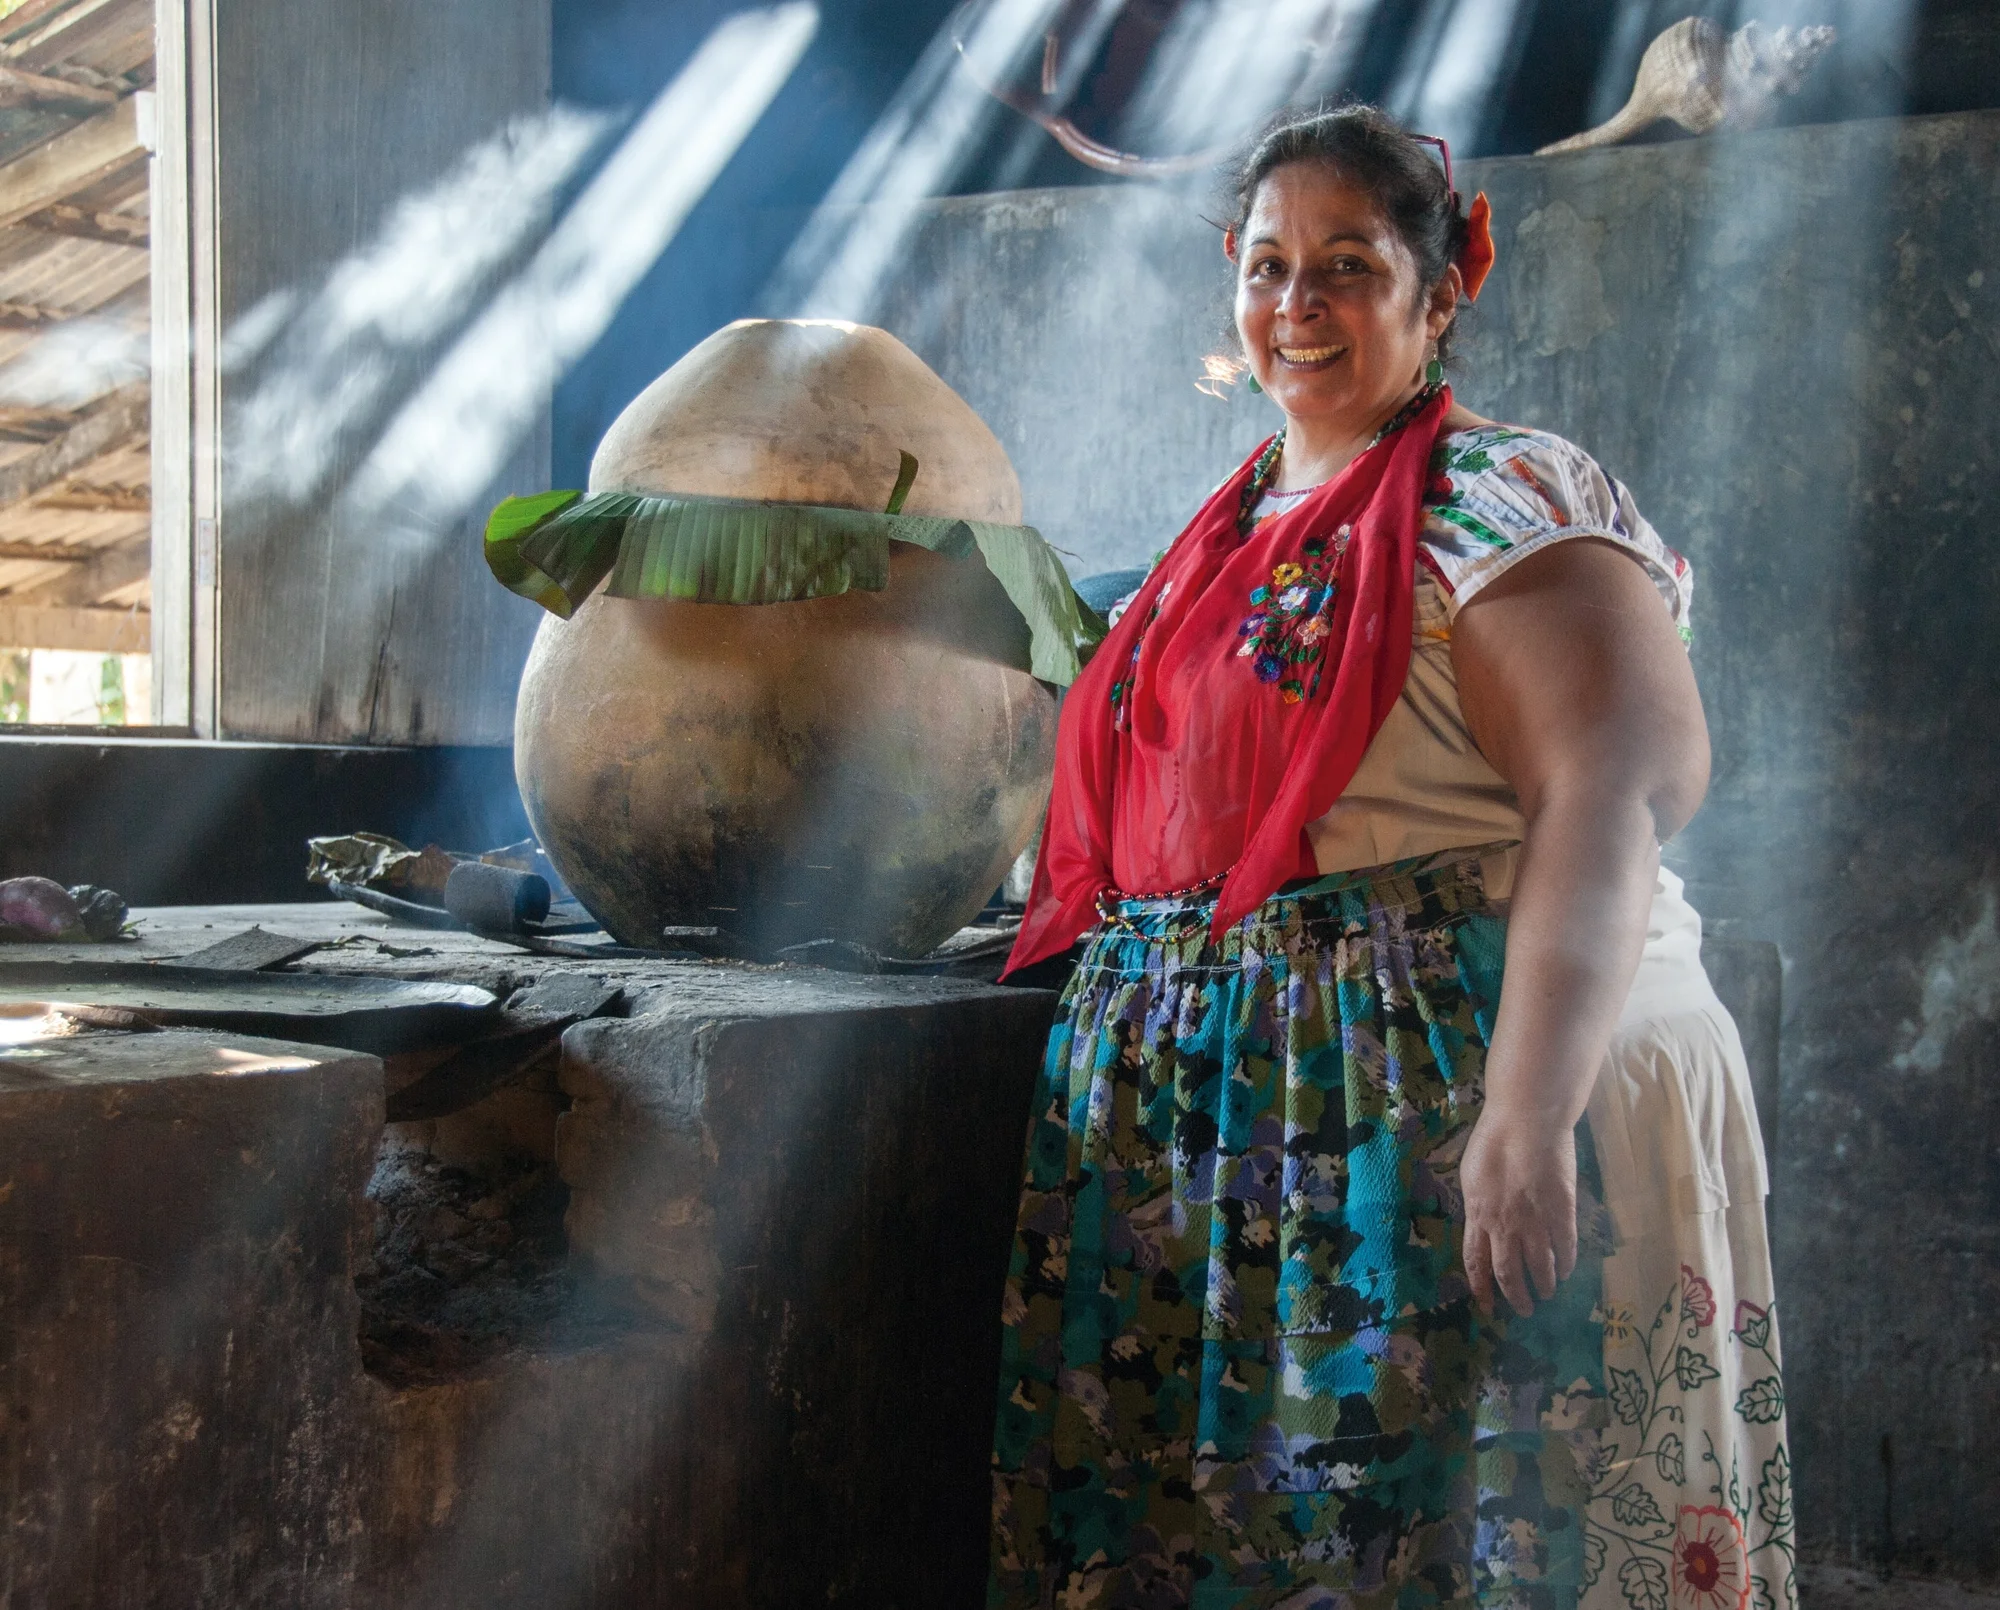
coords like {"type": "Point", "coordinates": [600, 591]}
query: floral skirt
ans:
{"type": "Point", "coordinates": [1241, 1364]}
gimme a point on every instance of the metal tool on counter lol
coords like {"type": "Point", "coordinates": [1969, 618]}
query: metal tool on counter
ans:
{"type": "Point", "coordinates": [496, 899]}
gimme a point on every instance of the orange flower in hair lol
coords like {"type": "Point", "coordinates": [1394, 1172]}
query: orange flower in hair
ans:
{"type": "Point", "coordinates": [1475, 258]}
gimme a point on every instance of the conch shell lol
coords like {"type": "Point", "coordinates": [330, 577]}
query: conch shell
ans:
{"type": "Point", "coordinates": [1703, 79]}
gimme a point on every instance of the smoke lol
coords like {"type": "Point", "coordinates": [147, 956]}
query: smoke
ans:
{"type": "Point", "coordinates": [75, 363]}
{"type": "Point", "coordinates": [443, 448]}
{"type": "Point", "coordinates": [1961, 987]}
{"type": "Point", "coordinates": [394, 392]}
{"type": "Point", "coordinates": [1222, 68]}
{"type": "Point", "coordinates": [1619, 63]}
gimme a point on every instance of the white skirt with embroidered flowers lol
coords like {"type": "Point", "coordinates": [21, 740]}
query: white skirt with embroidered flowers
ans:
{"type": "Point", "coordinates": [1690, 1482]}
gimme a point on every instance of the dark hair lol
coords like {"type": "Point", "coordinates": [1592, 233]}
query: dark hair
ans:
{"type": "Point", "coordinates": [1372, 152]}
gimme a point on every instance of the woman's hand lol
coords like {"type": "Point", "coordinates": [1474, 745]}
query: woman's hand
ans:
{"type": "Point", "coordinates": [1519, 1178]}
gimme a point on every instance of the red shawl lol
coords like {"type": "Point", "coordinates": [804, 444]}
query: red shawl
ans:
{"type": "Point", "coordinates": [1234, 699]}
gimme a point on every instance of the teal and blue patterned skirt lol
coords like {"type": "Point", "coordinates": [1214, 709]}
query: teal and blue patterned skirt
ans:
{"type": "Point", "coordinates": [1241, 1364]}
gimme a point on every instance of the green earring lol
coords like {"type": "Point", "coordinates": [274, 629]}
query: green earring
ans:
{"type": "Point", "coordinates": [1251, 382]}
{"type": "Point", "coordinates": [1434, 371]}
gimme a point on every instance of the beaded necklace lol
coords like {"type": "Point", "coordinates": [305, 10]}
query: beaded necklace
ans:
{"type": "Point", "coordinates": [1267, 461]}
{"type": "Point", "coordinates": [1260, 477]}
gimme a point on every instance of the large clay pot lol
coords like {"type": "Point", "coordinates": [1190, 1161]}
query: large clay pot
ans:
{"type": "Point", "coordinates": [862, 767]}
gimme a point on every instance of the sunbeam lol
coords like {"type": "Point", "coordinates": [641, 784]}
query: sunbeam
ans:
{"type": "Point", "coordinates": [1225, 66]}
{"type": "Point", "coordinates": [76, 363]}
{"type": "Point", "coordinates": [915, 150]}
{"type": "Point", "coordinates": [443, 448]}
{"type": "Point", "coordinates": [1079, 49]}
{"type": "Point", "coordinates": [1625, 42]}
{"type": "Point", "coordinates": [321, 371]}
{"type": "Point", "coordinates": [1449, 77]}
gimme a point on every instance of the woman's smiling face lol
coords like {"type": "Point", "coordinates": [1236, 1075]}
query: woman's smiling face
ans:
{"type": "Point", "coordinates": [1334, 321]}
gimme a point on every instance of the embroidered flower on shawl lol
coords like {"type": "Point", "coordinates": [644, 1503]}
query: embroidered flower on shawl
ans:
{"type": "Point", "coordinates": [1697, 1300]}
{"type": "Point", "coordinates": [1291, 617]}
{"type": "Point", "coordinates": [1711, 1560]}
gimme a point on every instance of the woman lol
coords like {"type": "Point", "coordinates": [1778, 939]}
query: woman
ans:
{"type": "Point", "coordinates": [1343, 1276]}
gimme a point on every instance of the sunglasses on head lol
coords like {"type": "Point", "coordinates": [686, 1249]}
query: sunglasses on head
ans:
{"type": "Point", "coordinates": [1444, 151]}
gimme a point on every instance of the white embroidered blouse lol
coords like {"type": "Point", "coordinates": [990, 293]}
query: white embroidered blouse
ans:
{"type": "Point", "coordinates": [1497, 494]}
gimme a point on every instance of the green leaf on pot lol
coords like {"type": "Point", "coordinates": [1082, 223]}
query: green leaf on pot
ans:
{"type": "Point", "coordinates": [576, 547]}
{"type": "Point", "coordinates": [556, 550]}
{"type": "Point", "coordinates": [716, 551]}
{"type": "Point", "coordinates": [1062, 628]}
{"type": "Point", "coordinates": [906, 476]}
{"type": "Point", "coordinates": [512, 521]}
{"type": "Point", "coordinates": [516, 517]}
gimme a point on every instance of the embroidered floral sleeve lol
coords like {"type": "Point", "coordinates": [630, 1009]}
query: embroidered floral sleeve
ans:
{"type": "Point", "coordinates": [1498, 494]}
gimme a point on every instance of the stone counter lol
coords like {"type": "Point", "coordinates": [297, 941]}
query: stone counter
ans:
{"type": "Point", "coordinates": [758, 1371]}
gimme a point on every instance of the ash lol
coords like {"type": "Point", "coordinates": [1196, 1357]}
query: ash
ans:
{"type": "Point", "coordinates": [467, 1269]}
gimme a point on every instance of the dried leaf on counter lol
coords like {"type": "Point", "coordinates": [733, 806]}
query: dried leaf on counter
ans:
{"type": "Point", "coordinates": [366, 858]}
{"type": "Point", "coordinates": [376, 861]}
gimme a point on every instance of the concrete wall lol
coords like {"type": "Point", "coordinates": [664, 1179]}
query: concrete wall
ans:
{"type": "Point", "coordinates": [335, 125]}
{"type": "Point", "coordinates": [178, 822]}
{"type": "Point", "coordinates": [1786, 343]}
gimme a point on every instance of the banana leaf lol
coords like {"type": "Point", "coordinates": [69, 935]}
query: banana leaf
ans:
{"type": "Point", "coordinates": [1062, 628]}
{"type": "Point", "coordinates": [558, 547]}
{"type": "Point", "coordinates": [512, 521]}
{"type": "Point", "coordinates": [714, 551]}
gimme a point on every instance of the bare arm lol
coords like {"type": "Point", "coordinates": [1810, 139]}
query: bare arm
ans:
{"type": "Point", "coordinates": [1577, 690]}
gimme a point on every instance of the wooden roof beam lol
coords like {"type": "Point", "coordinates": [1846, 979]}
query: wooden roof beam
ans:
{"type": "Point", "coordinates": [34, 92]}
{"type": "Point", "coordinates": [81, 223]}
{"type": "Point", "coordinates": [21, 316]}
{"type": "Point", "coordinates": [122, 418]}
{"type": "Point", "coordinates": [37, 425]}
{"type": "Point", "coordinates": [86, 26]}
{"type": "Point", "coordinates": [75, 159]}
{"type": "Point", "coordinates": [85, 498]}
{"type": "Point", "coordinates": [47, 553]}
{"type": "Point", "coordinates": [84, 584]}
{"type": "Point", "coordinates": [100, 631]}
{"type": "Point", "coordinates": [24, 17]}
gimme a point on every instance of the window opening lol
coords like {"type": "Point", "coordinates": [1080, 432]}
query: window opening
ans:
{"type": "Point", "coordinates": [76, 123]}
